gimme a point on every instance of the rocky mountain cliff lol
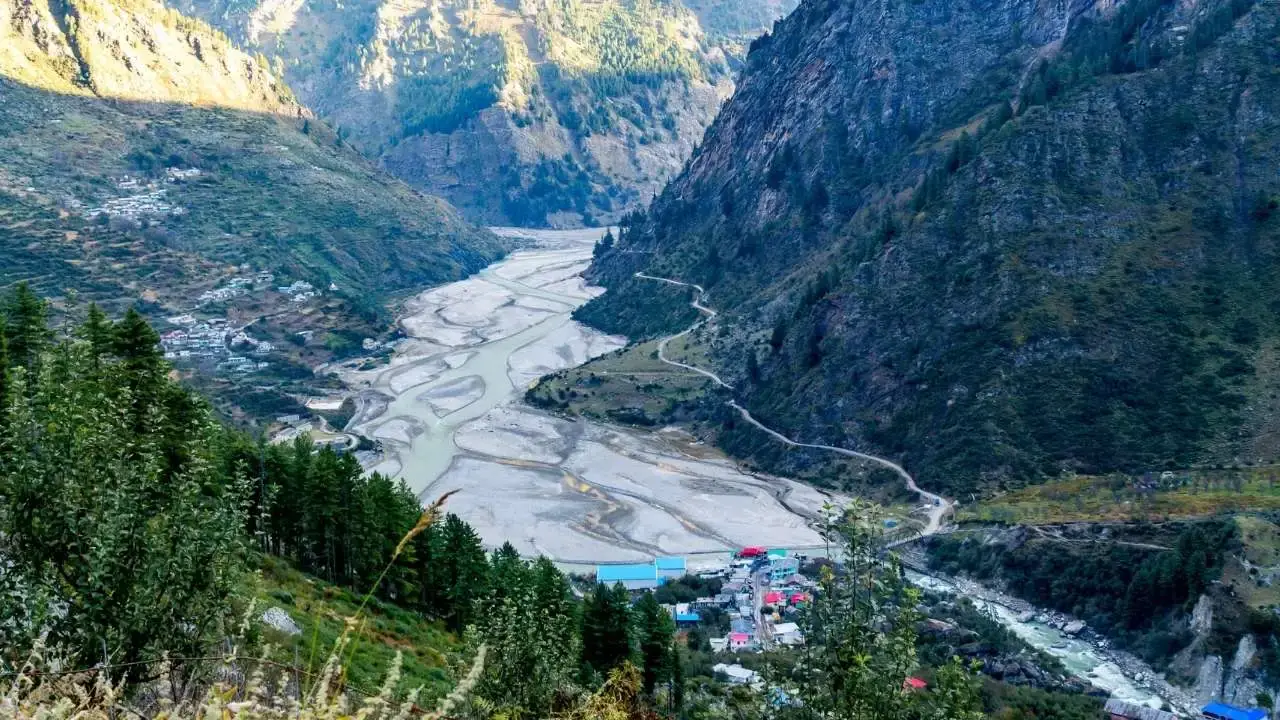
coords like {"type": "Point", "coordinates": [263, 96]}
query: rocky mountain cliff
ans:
{"type": "Point", "coordinates": [145, 160]}
{"type": "Point", "coordinates": [527, 112]}
{"type": "Point", "coordinates": [997, 239]}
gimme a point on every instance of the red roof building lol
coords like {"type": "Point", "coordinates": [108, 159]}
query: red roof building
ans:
{"type": "Point", "coordinates": [773, 598]}
{"type": "Point", "coordinates": [798, 598]}
{"type": "Point", "coordinates": [751, 552]}
{"type": "Point", "coordinates": [914, 683]}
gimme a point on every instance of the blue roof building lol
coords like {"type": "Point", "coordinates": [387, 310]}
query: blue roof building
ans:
{"type": "Point", "coordinates": [1223, 711]}
{"type": "Point", "coordinates": [632, 577]}
{"type": "Point", "coordinates": [670, 567]}
{"type": "Point", "coordinates": [689, 618]}
{"type": "Point", "coordinates": [645, 576]}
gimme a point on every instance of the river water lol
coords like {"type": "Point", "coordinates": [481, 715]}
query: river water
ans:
{"type": "Point", "coordinates": [1079, 657]}
{"type": "Point", "coordinates": [446, 412]}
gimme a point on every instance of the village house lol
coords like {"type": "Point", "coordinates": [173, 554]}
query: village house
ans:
{"type": "Point", "coordinates": [739, 641]}
{"type": "Point", "coordinates": [788, 634]}
{"type": "Point", "coordinates": [736, 674]}
{"type": "Point", "coordinates": [1223, 711]}
{"type": "Point", "coordinates": [782, 569]}
{"type": "Point", "coordinates": [632, 577]}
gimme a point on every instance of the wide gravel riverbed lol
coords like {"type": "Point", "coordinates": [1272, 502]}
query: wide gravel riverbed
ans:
{"type": "Point", "coordinates": [448, 414]}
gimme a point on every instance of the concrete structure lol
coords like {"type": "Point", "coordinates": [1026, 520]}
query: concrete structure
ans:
{"type": "Point", "coordinates": [788, 634]}
{"type": "Point", "coordinates": [1117, 709]}
{"type": "Point", "coordinates": [739, 641]}
{"type": "Point", "coordinates": [782, 569]}
{"type": "Point", "coordinates": [638, 576]}
{"type": "Point", "coordinates": [632, 577]}
{"type": "Point", "coordinates": [736, 674]}
{"type": "Point", "coordinates": [671, 568]}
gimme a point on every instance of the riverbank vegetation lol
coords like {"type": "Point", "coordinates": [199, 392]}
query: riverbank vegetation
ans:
{"type": "Point", "coordinates": [1137, 586]}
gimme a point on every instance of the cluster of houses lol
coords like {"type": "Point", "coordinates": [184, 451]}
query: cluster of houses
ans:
{"type": "Point", "coordinates": [299, 291]}
{"type": "Point", "coordinates": [147, 198]}
{"type": "Point", "coordinates": [210, 339]}
{"type": "Point", "coordinates": [195, 339]}
{"type": "Point", "coordinates": [761, 593]}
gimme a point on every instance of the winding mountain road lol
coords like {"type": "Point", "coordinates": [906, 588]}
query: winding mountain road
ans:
{"type": "Point", "coordinates": [939, 506]}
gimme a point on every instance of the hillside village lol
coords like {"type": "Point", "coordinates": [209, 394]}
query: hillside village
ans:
{"type": "Point", "coordinates": [751, 604]}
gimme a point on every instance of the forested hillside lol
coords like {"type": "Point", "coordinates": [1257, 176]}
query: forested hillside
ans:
{"type": "Point", "coordinates": [145, 159]}
{"type": "Point", "coordinates": [130, 519]}
{"type": "Point", "coordinates": [528, 112]}
{"type": "Point", "coordinates": [995, 240]}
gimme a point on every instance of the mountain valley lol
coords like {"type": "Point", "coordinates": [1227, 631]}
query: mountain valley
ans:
{"type": "Point", "coordinates": [519, 112]}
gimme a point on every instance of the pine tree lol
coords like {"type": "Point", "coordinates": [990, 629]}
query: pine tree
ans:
{"type": "Point", "coordinates": [4, 383]}
{"type": "Point", "coordinates": [778, 336]}
{"type": "Point", "coordinates": [606, 629]}
{"type": "Point", "coordinates": [509, 576]}
{"type": "Point", "coordinates": [130, 544]}
{"type": "Point", "coordinates": [98, 332]}
{"type": "Point", "coordinates": [676, 690]}
{"type": "Point", "coordinates": [656, 632]}
{"type": "Point", "coordinates": [27, 329]}
{"type": "Point", "coordinates": [466, 572]}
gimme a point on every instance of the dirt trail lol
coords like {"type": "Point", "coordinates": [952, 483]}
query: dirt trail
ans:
{"type": "Point", "coordinates": [939, 506]}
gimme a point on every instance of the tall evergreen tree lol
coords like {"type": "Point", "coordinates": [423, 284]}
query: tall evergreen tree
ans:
{"type": "Point", "coordinates": [27, 328]}
{"type": "Point", "coordinates": [466, 572]}
{"type": "Point", "coordinates": [138, 553]}
{"type": "Point", "coordinates": [606, 629]}
{"type": "Point", "coordinates": [4, 383]}
{"type": "Point", "coordinates": [509, 576]}
{"type": "Point", "coordinates": [656, 631]}
{"type": "Point", "coordinates": [99, 333]}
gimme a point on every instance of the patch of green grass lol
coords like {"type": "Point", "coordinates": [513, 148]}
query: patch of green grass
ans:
{"type": "Point", "coordinates": [1117, 497]}
{"type": "Point", "coordinates": [322, 612]}
{"type": "Point", "coordinates": [630, 386]}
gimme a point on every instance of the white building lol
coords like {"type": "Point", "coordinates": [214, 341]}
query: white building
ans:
{"type": "Point", "coordinates": [736, 674]}
{"type": "Point", "coordinates": [788, 634]}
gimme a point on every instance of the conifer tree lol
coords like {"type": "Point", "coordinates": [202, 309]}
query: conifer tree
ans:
{"type": "Point", "coordinates": [606, 629]}
{"type": "Point", "coordinates": [4, 383]}
{"type": "Point", "coordinates": [27, 329]}
{"type": "Point", "coordinates": [466, 572]}
{"type": "Point", "coordinates": [98, 332]}
{"type": "Point", "coordinates": [656, 631]}
{"type": "Point", "coordinates": [138, 543]}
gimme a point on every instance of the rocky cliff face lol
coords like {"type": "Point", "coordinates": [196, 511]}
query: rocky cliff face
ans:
{"type": "Point", "coordinates": [995, 238]}
{"type": "Point", "coordinates": [519, 112]}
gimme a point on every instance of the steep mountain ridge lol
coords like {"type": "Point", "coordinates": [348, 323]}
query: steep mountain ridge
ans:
{"type": "Point", "coordinates": [145, 160]}
{"type": "Point", "coordinates": [999, 239]}
{"type": "Point", "coordinates": [134, 50]}
{"type": "Point", "coordinates": [529, 112]}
